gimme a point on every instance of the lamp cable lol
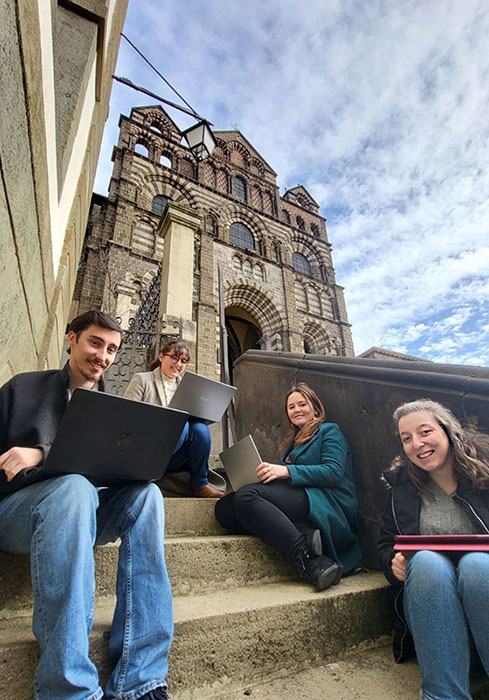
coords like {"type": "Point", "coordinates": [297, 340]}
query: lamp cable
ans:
{"type": "Point", "coordinates": [159, 74]}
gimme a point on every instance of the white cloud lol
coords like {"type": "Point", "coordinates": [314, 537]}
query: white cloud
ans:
{"type": "Point", "coordinates": [380, 109]}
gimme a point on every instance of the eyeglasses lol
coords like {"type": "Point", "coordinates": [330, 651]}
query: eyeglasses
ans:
{"type": "Point", "coordinates": [176, 358]}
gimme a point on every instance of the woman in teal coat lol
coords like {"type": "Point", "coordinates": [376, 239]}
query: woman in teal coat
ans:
{"type": "Point", "coordinates": [305, 506]}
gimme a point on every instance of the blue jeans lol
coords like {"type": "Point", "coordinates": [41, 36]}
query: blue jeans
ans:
{"type": "Point", "coordinates": [442, 602]}
{"type": "Point", "coordinates": [58, 521]}
{"type": "Point", "coordinates": [192, 452]}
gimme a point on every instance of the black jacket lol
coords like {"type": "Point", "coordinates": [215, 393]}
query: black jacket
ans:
{"type": "Point", "coordinates": [31, 407]}
{"type": "Point", "coordinates": [401, 517]}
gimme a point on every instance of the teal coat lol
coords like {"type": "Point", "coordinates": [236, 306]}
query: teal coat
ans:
{"type": "Point", "coordinates": [322, 466]}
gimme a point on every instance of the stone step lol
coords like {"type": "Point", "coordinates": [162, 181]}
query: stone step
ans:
{"type": "Point", "coordinates": [225, 638]}
{"type": "Point", "coordinates": [195, 564]}
{"type": "Point", "coordinates": [368, 675]}
{"type": "Point", "coordinates": [191, 516]}
{"type": "Point", "coordinates": [184, 516]}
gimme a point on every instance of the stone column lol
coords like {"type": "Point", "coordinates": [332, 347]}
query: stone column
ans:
{"type": "Point", "coordinates": [177, 227]}
{"type": "Point", "coordinates": [124, 293]}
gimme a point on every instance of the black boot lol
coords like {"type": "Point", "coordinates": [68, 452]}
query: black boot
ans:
{"type": "Point", "coordinates": [314, 543]}
{"type": "Point", "coordinates": [320, 571]}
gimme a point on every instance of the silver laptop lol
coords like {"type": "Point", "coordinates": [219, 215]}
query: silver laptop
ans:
{"type": "Point", "coordinates": [202, 398]}
{"type": "Point", "coordinates": [108, 438]}
{"type": "Point", "coordinates": [240, 462]}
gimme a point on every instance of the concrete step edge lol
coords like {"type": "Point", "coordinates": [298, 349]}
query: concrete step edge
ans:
{"type": "Point", "coordinates": [255, 630]}
{"type": "Point", "coordinates": [194, 563]}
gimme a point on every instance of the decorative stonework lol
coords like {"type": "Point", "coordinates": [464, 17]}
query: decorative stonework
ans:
{"type": "Point", "coordinates": [268, 303]}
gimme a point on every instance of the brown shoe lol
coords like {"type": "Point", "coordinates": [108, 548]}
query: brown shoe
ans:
{"type": "Point", "coordinates": [208, 491]}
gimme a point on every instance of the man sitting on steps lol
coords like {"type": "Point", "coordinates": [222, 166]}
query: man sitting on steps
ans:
{"type": "Point", "coordinates": [59, 519]}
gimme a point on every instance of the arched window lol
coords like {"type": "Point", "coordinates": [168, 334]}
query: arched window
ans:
{"type": "Point", "coordinates": [141, 149]}
{"type": "Point", "coordinates": [164, 160]}
{"type": "Point", "coordinates": [240, 188]}
{"type": "Point", "coordinates": [301, 263]}
{"type": "Point", "coordinates": [276, 254]}
{"type": "Point", "coordinates": [315, 229]}
{"type": "Point", "coordinates": [241, 236]}
{"type": "Point", "coordinates": [159, 203]}
{"type": "Point", "coordinates": [300, 223]}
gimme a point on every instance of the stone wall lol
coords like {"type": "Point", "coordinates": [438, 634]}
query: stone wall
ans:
{"type": "Point", "coordinates": [54, 107]}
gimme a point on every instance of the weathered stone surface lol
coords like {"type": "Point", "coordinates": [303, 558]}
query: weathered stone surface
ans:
{"type": "Point", "coordinates": [234, 636]}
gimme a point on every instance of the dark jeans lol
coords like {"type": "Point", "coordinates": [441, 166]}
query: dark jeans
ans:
{"type": "Point", "coordinates": [192, 452]}
{"type": "Point", "coordinates": [268, 511]}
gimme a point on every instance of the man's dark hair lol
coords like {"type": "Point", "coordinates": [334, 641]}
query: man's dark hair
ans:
{"type": "Point", "coordinates": [93, 318]}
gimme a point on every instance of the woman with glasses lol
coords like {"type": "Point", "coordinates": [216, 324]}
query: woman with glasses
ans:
{"type": "Point", "coordinates": [157, 387]}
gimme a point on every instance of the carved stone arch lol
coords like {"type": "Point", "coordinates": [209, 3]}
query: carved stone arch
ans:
{"type": "Point", "coordinates": [234, 213]}
{"type": "Point", "coordinates": [133, 133]}
{"type": "Point", "coordinates": [315, 336]}
{"type": "Point", "coordinates": [257, 167]}
{"type": "Point", "coordinates": [166, 152]}
{"type": "Point", "coordinates": [149, 141]}
{"type": "Point", "coordinates": [253, 298]}
{"type": "Point", "coordinates": [156, 118]}
{"type": "Point", "coordinates": [303, 201]}
{"type": "Point", "coordinates": [170, 185]}
{"type": "Point", "coordinates": [307, 248]}
{"type": "Point", "coordinates": [275, 250]}
{"type": "Point", "coordinates": [221, 149]}
{"type": "Point", "coordinates": [259, 272]}
{"type": "Point", "coordinates": [237, 261]}
{"type": "Point", "coordinates": [239, 155]}
{"type": "Point", "coordinates": [142, 140]}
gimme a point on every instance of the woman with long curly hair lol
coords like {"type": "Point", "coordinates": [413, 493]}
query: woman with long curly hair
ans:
{"type": "Point", "coordinates": [439, 485]}
{"type": "Point", "coordinates": [305, 506]}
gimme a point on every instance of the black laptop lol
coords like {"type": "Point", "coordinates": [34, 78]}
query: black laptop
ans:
{"type": "Point", "coordinates": [111, 439]}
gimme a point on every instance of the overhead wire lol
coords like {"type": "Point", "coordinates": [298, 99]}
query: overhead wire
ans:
{"type": "Point", "coordinates": [159, 74]}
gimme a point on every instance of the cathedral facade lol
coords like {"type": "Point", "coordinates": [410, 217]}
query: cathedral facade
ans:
{"type": "Point", "coordinates": [210, 244]}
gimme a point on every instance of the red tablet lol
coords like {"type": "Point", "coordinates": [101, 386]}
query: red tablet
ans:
{"type": "Point", "coordinates": [441, 543]}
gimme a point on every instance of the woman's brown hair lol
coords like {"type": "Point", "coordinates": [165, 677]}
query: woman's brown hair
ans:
{"type": "Point", "coordinates": [469, 450]}
{"type": "Point", "coordinates": [297, 435]}
{"type": "Point", "coordinates": [179, 347]}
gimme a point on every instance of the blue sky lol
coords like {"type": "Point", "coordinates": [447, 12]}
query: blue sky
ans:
{"type": "Point", "coordinates": [380, 109]}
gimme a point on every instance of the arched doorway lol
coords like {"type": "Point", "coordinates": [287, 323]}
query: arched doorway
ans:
{"type": "Point", "coordinates": [243, 333]}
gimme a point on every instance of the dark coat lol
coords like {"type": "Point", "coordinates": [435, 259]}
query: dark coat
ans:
{"type": "Point", "coordinates": [401, 517]}
{"type": "Point", "coordinates": [323, 466]}
{"type": "Point", "coordinates": [31, 407]}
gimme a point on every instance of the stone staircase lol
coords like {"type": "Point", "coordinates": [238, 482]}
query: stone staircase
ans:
{"type": "Point", "coordinates": [241, 617]}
